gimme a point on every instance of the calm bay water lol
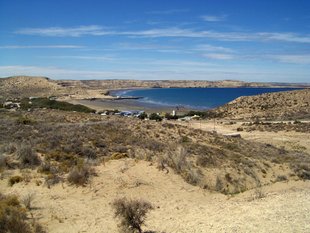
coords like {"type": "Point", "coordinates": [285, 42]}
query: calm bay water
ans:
{"type": "Point", "coordinates": [197, 98]}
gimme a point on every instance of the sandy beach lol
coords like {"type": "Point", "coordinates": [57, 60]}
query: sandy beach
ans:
{"type": "Point", "coordinates": [126, 104]}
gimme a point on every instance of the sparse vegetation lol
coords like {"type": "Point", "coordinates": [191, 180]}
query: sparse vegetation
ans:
{"type": "Point", "coordinates": [53, 104]}
{"type": "Point", "coordinates": [155, 117]}
{"type": "Point", "coordinates": [27, 156]}
{"type": "Point", "coordinates": [132, 214]}
{"type": "Point", "coordinates": [142, 116]}
{"type": "Point", "coordinates": [80, 174]}
{"type": "Point", "coordinates": [15, 179]}
{"type": "Point", "coordinates": [27, 200]}
{"type": "Point", "coordinates": [63, 146]}
{"type": "Point", "coordinates": [13, 217]}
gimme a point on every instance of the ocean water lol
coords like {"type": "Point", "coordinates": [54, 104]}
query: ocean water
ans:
{"type": "Point", "coordinates": [195, 98]}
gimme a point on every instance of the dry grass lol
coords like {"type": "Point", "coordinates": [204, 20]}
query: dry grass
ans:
{"type": "Point", "coordinates": [64, 145]}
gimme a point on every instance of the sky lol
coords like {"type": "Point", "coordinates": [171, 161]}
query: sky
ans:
{"type": "Point", "coordinates": [249, 40]}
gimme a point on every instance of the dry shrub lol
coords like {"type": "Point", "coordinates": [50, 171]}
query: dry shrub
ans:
{"type": "Point", "coordinates": [52, 172]}
{"type": "Point", "coordinates": [219, 184]}
{"type": "Point", "coordinates": [12, 216]}
{"type": "Point", "coordinates": [3, 161]}
{"type": "Point", "coordinates": [281, 178]}
{"type": "Point", "coordinates": [117, 156]}
{"type": "Point", "coordinates": [28, 199]}
{"type": "Point", "coordinates": [205, 160]}
{"type": "Point", "coordinates": [178, 160]}
{"type": "Point", "coordinates": [9, 148]}
{"type": "Point", "coordinates": [89, 153]}
{"type": "Point", "coordinates": [259, 193]}
{"type": "Point", "coordinates": [192, 176]}
{"type": "Point", "coordinates": [15, 179]}
{"type": "Point", "coordinates": [132, 214]}
{"type": "Point", "coordinates": [79, 175]}
{"type": "Point", "coordinates": [27, 156]}
{"type": "Point", "coordinates": [37, 228]}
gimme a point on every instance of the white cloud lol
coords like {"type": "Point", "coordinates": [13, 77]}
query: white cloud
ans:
{"type": "Point", "coordinates": [168, 12]}
{"type": "Point", "coordinates": [41, 47]}
{"type": "Point", "coordinates": [287, 37]}
{"type": "Point", "coordinates": [219, 73]}
{"type": "Point", "coordinates": [289, 58]}
{"type": "Point", "coordinates": [212, 48]}
{"type": "Point", "coordinates": [99, 58]}
{"type": "Point", "coordinates": [219, 56]}
{"type": "Point", "coordinates": [95, 30]}
{"type": "Point", "coordinates": [213, 18]}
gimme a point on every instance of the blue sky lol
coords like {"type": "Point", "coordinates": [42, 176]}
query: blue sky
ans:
{"type": "Point", "coordinates": [260, 40]}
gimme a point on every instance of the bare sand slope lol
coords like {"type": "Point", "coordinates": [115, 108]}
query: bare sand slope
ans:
{"type": "Point", "coordinates": [179, 207]}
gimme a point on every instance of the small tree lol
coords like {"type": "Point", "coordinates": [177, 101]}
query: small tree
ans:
{"type": "Point", "coordinates": [142, 116]}
{"type": "Point", "coordinates": [168, 116]}
{"type": "Point", "coordinates": [155, 116]}
{"type": "Point", "coordinates": [132, 214]}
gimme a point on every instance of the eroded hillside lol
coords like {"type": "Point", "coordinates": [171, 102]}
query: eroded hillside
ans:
{"type": "Point", "coordinates": [287, 105]}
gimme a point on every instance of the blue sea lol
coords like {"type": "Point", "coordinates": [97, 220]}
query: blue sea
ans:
{"type": "Point", "coordinates": [194, 98]}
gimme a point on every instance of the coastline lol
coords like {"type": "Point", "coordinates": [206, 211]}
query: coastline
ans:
{"type": "Point", "coordinates": [126, 104]}
{"type": "Point", "coordinates": [117, 99]}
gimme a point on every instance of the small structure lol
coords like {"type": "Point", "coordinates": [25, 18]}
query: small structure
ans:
{"type": "Point", "coordinates": [195, 117]}
{"type": "Point", "coordinates": [187, 118]}
{"type": "Point", "coordinates": [11, 105]}
{"type": "Point", "coordinates": [134, 113]}
{"type": "Point", "coordinates": [53, 98]}
{"type": "Point", "coordinates": [233, 135]}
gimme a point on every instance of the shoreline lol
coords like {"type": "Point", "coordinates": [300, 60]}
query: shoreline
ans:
{"type": "Point", "coordinates": [116, 99]}
{"type": "Point", "coordinates": [127, 104]}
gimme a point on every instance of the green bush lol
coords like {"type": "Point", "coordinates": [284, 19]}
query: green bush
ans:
{"type": "Point", "coordinates": [54, 104]}
{"type": "Point", "coordinates": [142, 116]}
{"type": "Point", "coordinates": [168, 116]}
{"type": "Point", "coordinates": [155, 116]}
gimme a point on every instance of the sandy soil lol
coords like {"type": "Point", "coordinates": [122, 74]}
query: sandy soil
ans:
{"type": "Point", "coordinates": [179, 207]}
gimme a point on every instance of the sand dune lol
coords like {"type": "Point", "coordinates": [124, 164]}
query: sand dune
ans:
{"type": "Point", "coordinates": [179, 207]}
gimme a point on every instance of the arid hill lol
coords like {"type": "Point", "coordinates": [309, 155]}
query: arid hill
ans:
{"type": "Point", "coordinates": [25, 86]}
{"type": "Point", "coordinates": [67, 168]}
{"type": "Point", "coordinates": [211, 161]}
{"type": "Point", "coordinates": [287, 105]}
{"type": "Point", "coordinates": [71, 166]}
